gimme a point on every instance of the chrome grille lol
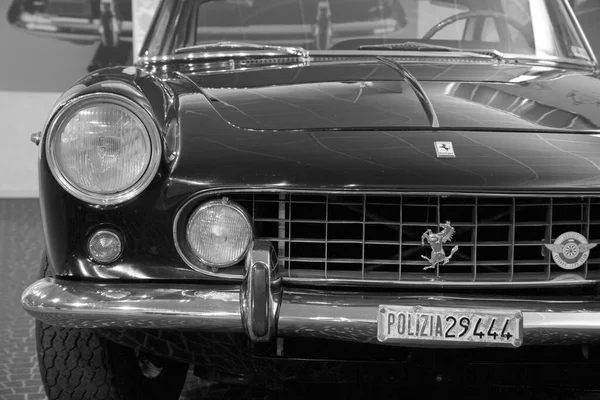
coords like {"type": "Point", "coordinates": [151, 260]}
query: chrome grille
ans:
{"type": "Point", "coordinates": [373, 237]}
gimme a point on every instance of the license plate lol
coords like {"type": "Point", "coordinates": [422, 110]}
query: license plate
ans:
{"type": "Point", "coordinates": [458, 326]}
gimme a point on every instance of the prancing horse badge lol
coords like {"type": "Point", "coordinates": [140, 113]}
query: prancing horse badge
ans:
{"type": "Point", "coordinates": [444, 150]}
{"type": "Point", "coordinates": [436, 241]}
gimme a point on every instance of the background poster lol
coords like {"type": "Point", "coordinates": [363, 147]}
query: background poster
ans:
{"type": "Point", "coordinates": [46, 46]}
{"type": "Point", "coordinates": [49, 44]}
{"type": "Point", "coordinates": [143, 12]}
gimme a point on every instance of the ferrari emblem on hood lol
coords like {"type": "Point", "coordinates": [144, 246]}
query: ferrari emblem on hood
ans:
{"type": "Point", "coordinates": [570, 250]}
{"type": "Point", "coordinates": [444, 150]}
{"type": "Point", "coordinates": [436, 241]}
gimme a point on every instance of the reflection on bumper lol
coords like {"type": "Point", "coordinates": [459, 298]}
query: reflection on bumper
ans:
{"type": "Point", "coordinates": [302, 313]}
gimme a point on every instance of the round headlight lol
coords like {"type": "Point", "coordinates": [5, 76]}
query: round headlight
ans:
{"type": "Point", "coordinates": [103, 148]}
{"type": "Point", "coordinates": [219, 233]}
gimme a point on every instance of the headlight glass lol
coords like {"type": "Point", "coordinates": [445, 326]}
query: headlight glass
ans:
{"type": "Point", "coordinates": [219, 233]}
{"type": "Point", "coordinates": [101, 147]}
{"type": "Point", "coordinates": [105, 246]}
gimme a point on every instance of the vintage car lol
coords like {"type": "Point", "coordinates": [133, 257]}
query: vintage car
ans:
{"type": "Point", "coordinates": [325, 190]}
{"type": "Point", "coordinates": [107, 22]}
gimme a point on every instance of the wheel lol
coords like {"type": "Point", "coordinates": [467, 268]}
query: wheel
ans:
{"type": "Point", "coordinates": [80, 364]}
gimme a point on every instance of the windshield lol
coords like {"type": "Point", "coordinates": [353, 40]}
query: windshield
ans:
{"type": "Point", "coordinates": [538, 28]}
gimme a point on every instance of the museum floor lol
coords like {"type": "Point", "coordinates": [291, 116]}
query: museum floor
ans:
{"type": "Point", "coordinates": [21, 244]}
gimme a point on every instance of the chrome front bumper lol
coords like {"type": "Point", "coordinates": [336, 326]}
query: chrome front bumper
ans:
{"type": "Point", "coordinates": [264, 309]}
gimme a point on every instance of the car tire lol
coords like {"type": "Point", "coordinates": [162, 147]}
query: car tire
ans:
{"type": "Point", "coordinates": [80, 364]}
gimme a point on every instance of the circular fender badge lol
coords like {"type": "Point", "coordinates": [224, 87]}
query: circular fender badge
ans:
{"type": "Point", "coordinates": [570, 250]}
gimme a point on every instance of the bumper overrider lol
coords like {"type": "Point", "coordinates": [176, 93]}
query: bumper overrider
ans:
{"type": "Point", "coordinates": [264, 308]}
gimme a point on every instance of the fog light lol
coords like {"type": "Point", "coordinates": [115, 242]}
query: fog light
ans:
{"type": "Point", "coordinates": [104, 246]}
{"type": "Point", "coordinates": [219, 233]}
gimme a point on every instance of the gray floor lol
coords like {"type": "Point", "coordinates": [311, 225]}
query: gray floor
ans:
{"type": "Point", "coordinates": [21, 244]}
{"type": "Point", "coordinates": [20, 248]}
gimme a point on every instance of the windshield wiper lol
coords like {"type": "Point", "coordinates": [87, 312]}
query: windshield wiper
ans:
{"type": "Point", "coordinates": [416, 87]}
{"type": "Point", "coordinates": [241, 47]}
{"type": "Point", "coordinates": [417, 46]}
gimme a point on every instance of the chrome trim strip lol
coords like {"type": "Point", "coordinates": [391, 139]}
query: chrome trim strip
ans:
{"type": "Point", "coordinates": [416, 87]}
{"type": "Point", "coordinates": [236, 46]}
{"type": "Point", "coordinates": [435, 283]}
{"type": "Point", "coordinates": [224, 55]}
{"type": "Point", "coordinates": [303, 313]}
{"type": "Point", "coordinates": [147, 176]}
{"type": "Point", "coordinates": [335, 55]}
{"type": "Point", "coordinates": [354, 191]}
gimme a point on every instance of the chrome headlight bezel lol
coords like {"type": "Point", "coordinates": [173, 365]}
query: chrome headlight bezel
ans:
{"type": "Point", "coordinates": [201, 264]}
{"type": "Point", "coordinates": [152, 130]}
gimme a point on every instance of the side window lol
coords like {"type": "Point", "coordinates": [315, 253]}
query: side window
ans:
{"type": "Point", "coordinates": [482, 29]}
{"type": "Point", "coordinates": [520, 28]}
{"type": "Point", "coordinates": [454, 31]}
{"type": "Point", "coordinates": [588, 14]}
{"type": "Point", "coordinates": [430, 14]}
{"type": "Point", "coordinates": [489, 31]}
{"type": "Point", "coordinates": [517, 39]}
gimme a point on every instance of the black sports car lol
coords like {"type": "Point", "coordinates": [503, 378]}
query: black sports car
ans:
{"type": "Point", "coordinates": [336, 190]}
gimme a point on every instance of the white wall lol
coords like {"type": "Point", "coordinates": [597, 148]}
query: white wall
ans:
{"type": "Point", "coordinates": [22, 114]}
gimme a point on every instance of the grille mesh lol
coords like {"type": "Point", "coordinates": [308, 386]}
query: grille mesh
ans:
{"type": "Point", "coordinates": [378, 237]}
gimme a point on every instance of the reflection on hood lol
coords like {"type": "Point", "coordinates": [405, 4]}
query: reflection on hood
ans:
{"type": "Point", "coordinates": [528, 109]}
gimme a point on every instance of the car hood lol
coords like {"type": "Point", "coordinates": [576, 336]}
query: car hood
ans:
{"type": "Point", "coordinates": [368, 95]}
{"type": "Point", "coordinates": [297, 129]}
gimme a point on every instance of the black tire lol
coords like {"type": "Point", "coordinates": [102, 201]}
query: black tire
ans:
{"type": "Point", "coordinates": [80, 364]}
